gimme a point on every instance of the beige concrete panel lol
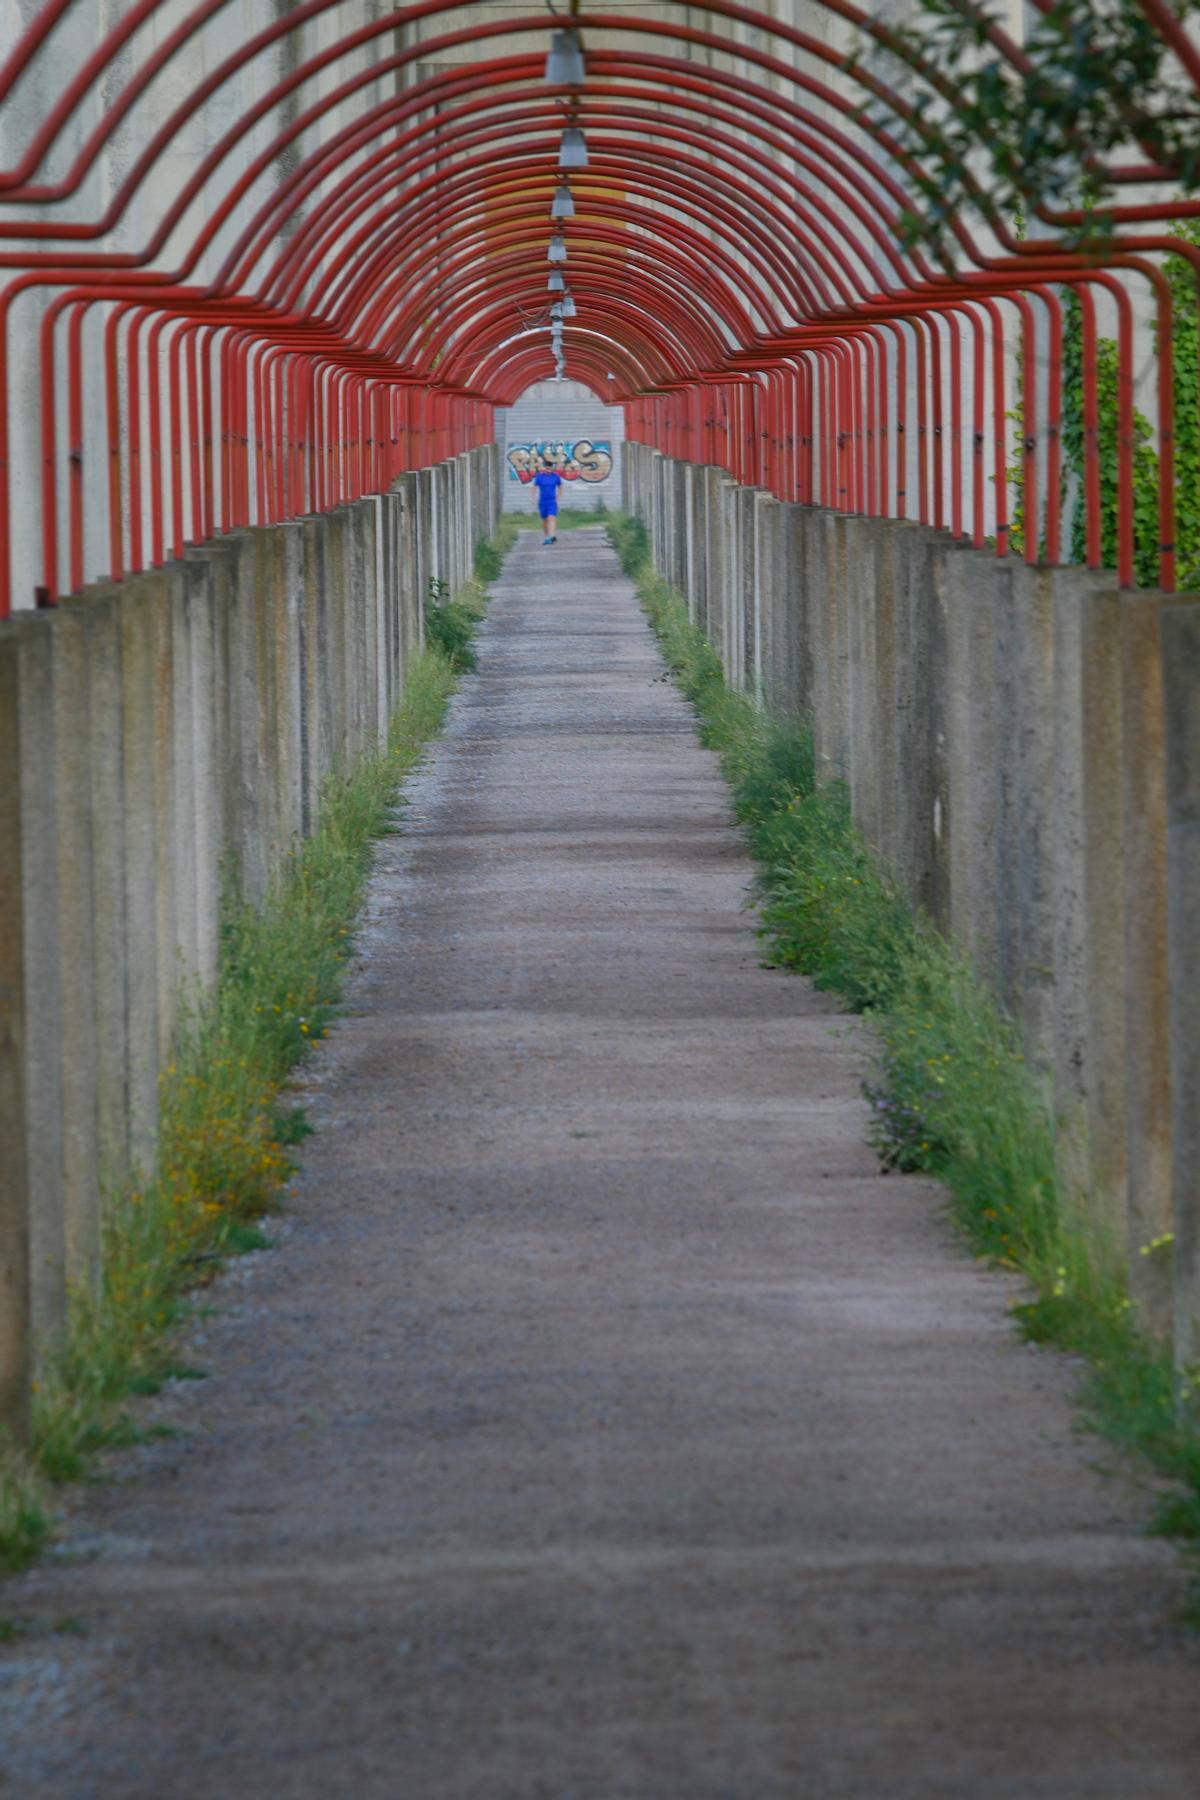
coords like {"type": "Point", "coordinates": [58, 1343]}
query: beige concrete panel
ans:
{"type": "Point", "coordinates": [990, 584]}
{"type": "Point", "coordinates": [110, 927]}
{"type": "Point", "coordinates": [183, 799]}
{"type": "Point", "coordinates": [77, 949]}
{"type": "Point", "coordinates": [1147, 1009]}
{"type": "Point", "coordinates": [14, 1192]}
{"type": "Point", "coordinates": [34, 714]}
{"type": "Point", "coordinates": [140, 600]}
{"type": "Point", "coordinates": [862, 716]}
{"type": "Point", "coordinates": [1034, 818]}
{"type": "Point", "coordinates": [1088, 936]}
{"type": "Point", "coordinates": [205, 742]}
{"type": "Point", "coordinates": [1180, 636]}
{"type": "Point", "coordinates": [882, 693]}
{"type": "Point", "coordinates": [316, 736]}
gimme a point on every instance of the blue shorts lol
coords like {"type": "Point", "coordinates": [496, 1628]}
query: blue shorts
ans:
{"type": "Point", "coordinates": [548, 509]}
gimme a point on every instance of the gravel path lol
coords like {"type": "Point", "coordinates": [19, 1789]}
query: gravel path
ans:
{"type": "Point", "coordinates": [604, 1424]}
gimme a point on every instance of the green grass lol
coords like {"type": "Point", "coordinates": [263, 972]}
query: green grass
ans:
{"type": "Point", "coordinates": [450, 625]}
{"type": "Point", "coordinates": [950, 1095]}
{"type": "Point", "coordinates": [225, 1135]}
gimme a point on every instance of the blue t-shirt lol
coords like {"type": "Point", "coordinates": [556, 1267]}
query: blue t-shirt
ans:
{"type": "Point", "coordinates": [547, 482]}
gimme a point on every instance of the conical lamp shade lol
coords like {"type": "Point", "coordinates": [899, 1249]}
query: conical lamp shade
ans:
{"type": "Point", "coordinates": [564, 64]}
{"type": "Point", "coordinates": [554, 282]}
{"type": "Point", "coordinates": [558, 248]}
{"type": "Point", "coordinates": [573, 153]}
{"type": "Point", "coordinates": [568, 307]}
{"type": "Point", "coordinates": [562, 206]}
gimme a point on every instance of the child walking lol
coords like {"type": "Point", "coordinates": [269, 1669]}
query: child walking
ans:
{"type": "Point", "coordinates": [548, 482]}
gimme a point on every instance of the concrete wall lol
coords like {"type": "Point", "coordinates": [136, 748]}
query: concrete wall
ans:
{"type": "Point", "coordinates": [162, 732]}
{"type": "Point", "coordinates": [1022, 750]}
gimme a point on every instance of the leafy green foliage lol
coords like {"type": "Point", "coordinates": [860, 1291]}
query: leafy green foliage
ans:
{"type": "Point", "coordinates": [450, 627]}
{"type": "Point", "coordinates": [1098, 76]}
{"type": "Point", "coordinates": [1145, 460]}
{"type": "Point", "coordinates": [827, 908]}
{"type": "Point", "coordinates": [1186, 383]}
{"type": "Point", "coordinates": [1185, 345]}
{"type": "Point", "coordinates": [24, 1520]}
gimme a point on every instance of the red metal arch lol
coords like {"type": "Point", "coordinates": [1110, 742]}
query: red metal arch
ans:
{"type": "Point", "coordinates": [759, 313]}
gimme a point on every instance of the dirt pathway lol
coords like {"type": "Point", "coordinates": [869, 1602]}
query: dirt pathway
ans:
{"type": "Point", "coordinates": [604, 1425]}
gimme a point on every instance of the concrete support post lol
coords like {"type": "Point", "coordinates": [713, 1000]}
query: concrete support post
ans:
{"type": "Point", "coordinates": [882, 693]}
{"type": "Point", "coordinates": [835, 647]}
{"type": "Point", "coordinates": [33, 713]}
{"type": "Point", "coordinates": [207, 681]}
{"type": "Point", "coordinates": [1086, 872]}
{"type": "Point", "coordinates": [410, 593]}
{"type": "Point", "coordinates": [14, 1195]}
{"type": "Point", "coordinates": [106, 802]}
{"type": "Point", "coordinates": [679, 525]}
{"type": "Point", "coordinates": [796, 599]}
{"type": "Point", "coordinates": [1033, 697]}
{"type": "Point", "coordinates": [990, 583]}
{"type": "Point", "coordinates": [861, 708]}
{"type": "Point", "coordinates": [138, 603]}
{"type": "Point", "coordinates": [1180, 629]}
{"type": "Point", "coordinates": [77, 972]}
{"type": "Point", "coordinates": [287, 606]}
{"type": "Point", "coordinates": [760, 647]}
{"type": "Point", "coordinates": [710, 604]}
{"type": "Point", "coordinates": [692, 553]}
{"type": "Point", "coordinates": [379, 542]}
{"type": "Point", "coordinates": [1146, 962]}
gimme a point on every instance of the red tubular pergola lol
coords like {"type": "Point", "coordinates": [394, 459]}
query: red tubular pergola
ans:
{"type": "Point", "coordinates": [326, 263]}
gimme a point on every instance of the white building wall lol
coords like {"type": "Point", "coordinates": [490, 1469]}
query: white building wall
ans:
{"type": "Point", "coordinates": [561, 425]}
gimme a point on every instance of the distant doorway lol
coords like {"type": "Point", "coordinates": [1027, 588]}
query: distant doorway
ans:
{"type": "Point", "coordinates": [561, 425]}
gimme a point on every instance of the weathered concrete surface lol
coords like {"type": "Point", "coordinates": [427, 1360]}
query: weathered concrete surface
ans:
{"type": "Point", "coordinates": [605, 1424]}
{"type": "Point", "coordinates": [14, 1222]}
{"type": "Point", "coordinates": [1003, 736]}
{"type": "Point", "coordinates": [169, 733]}
{"type": "Point", "coordinates": [1181, 706]}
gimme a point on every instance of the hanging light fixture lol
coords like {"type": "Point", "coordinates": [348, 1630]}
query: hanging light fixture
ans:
{"type": "Point", "coordinates": [562, 206]}
{"type": "Point", "coordinates": [557, 310]}
{"type": "Point", "coordinates": [558, 248]}
{"type": "Point", "coordinates": [573, 151]}
{"type": "Point", "coordinates": [554, 282]}
{"type": "Point", "coordinates": [568, 306]}
{"type": "Point", "coordinates": [564, 63]}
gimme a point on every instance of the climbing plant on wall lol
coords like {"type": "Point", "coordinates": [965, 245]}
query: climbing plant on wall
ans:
{"type": "Point", "coordinates": [1185, 342]}
{"type": "Point", "coordinates": [1145, 458]}
{"type": "Point", "coordinates": [995, 135]}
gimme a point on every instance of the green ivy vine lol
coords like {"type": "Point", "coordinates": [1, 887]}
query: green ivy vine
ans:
{"type": "Point", "coordinates": [1185, 341]}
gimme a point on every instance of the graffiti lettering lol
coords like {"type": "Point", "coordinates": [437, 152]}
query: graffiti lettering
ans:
{"type": "Point", "coordinates": [580, 461]}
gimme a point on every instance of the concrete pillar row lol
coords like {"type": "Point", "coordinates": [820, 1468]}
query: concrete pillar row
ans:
{"type": "Point", "coordinates": [160, 733]}
{"type": "Point", "coordinates": [1020, 746]}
